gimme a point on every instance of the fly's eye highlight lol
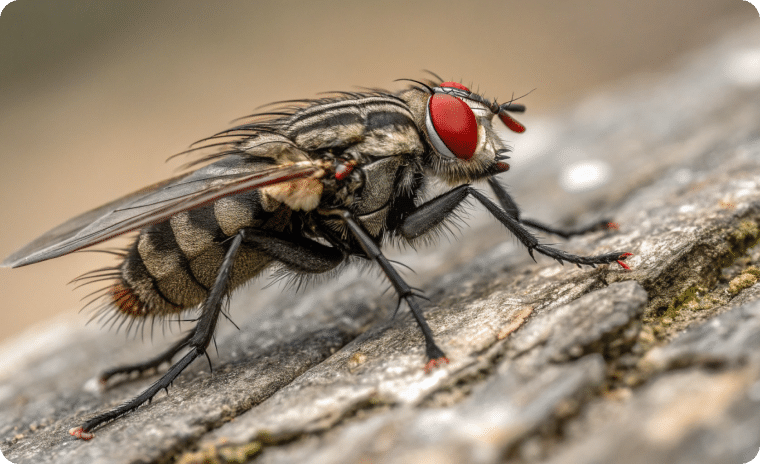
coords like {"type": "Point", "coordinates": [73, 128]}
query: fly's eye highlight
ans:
{"type": "Point", "coordinates": [451, 126]}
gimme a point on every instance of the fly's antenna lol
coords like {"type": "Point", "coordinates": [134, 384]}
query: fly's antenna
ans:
{"type": "Point", "coordinates": [509, 106]}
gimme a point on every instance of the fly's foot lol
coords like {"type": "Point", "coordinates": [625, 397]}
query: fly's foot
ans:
{"type": "Point", "coordinates": [436, 357]}
{"type": "Point", "coordinates": [81, 434]}
{"type": "Point", "coordinates": [433, 363]}
{"type": "Point", "coordinates": [621, 263]}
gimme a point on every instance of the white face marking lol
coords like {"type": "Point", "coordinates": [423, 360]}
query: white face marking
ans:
{"type": "Point", "coordinates": [484, 152]}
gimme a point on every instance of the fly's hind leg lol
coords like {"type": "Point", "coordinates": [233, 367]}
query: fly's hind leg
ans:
{"type": "Point", "coordinates": [297, 253]}
{"type": "Point", "coordinates": [150, 364]}
{"type": "Point", "coordinates": [198, 343]}
{"type": "Point", "coordinates": [511, 208]}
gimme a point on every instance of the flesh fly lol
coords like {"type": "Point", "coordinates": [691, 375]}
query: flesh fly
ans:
{"type": "Point", "coordinates": [305, 188]}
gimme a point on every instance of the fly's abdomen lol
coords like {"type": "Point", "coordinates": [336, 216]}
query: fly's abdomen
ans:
{"type": "Point", "coordinates": [173, 264]}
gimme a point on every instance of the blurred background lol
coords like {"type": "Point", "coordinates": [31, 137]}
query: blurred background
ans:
{"type": "Point", "coordinates": [96, 95]}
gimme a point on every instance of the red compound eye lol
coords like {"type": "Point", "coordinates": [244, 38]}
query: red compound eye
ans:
{"type": "Point", "coordinates": [451, 126]}
{"type": "Point", "coordinates": [455, 85]}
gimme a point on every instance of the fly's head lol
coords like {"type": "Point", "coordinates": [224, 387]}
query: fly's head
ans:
{"type": "Point", "coordinates": [457, 126]}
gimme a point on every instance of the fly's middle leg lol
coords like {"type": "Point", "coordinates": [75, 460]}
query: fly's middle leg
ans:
{"type": "Point", "coordinates": [435, 355]}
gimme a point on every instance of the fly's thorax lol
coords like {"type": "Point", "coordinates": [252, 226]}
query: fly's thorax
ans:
{"type": "Point", "coordinates": [378, 187]}
{"type": "Point", "coordinates": [344, 122]}
{"type": "Point", "coordinates": [416, 100]}
{"type": "Point", "coordinates": [373, 192]}
{"type": "Point", "coordinates": [343, 136]}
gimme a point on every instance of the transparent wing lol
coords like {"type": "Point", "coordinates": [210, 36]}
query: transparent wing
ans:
{"type": "Point", "coordinates": [154, 204]}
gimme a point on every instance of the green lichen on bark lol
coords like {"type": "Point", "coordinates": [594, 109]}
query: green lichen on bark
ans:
{"type": "Point", "coordinates": [694, 298]}
{"type": "Point", "coordinates": [739, 241]}
{"type": "Point", "coordinates": [744, 280]}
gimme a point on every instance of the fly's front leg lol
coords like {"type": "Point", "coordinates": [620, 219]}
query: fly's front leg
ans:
{"type": "Point", "coordinates": [434, 354]}
{"type": "Point", "coordinates": [198, 342]}
{"type": "Point", "coordinates": [511, 208]}
{"type": "Point", "coordinates": [430, 214]}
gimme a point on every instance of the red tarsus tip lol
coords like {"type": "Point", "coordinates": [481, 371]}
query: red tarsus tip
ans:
{"type": "Point", "coordinates": [433, 363]}
{"type": "Point", "coordinates": [81, 434]}
{"type": "Point", "coordinates": [613, 225]}
{"type": "Point", "coordinates": [624, 266]}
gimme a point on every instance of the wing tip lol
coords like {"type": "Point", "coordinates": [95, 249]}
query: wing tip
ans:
{"type": "Point", "coordinates": [18, 260]}
{"type": "Point", "coordinates": [13, 262]}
